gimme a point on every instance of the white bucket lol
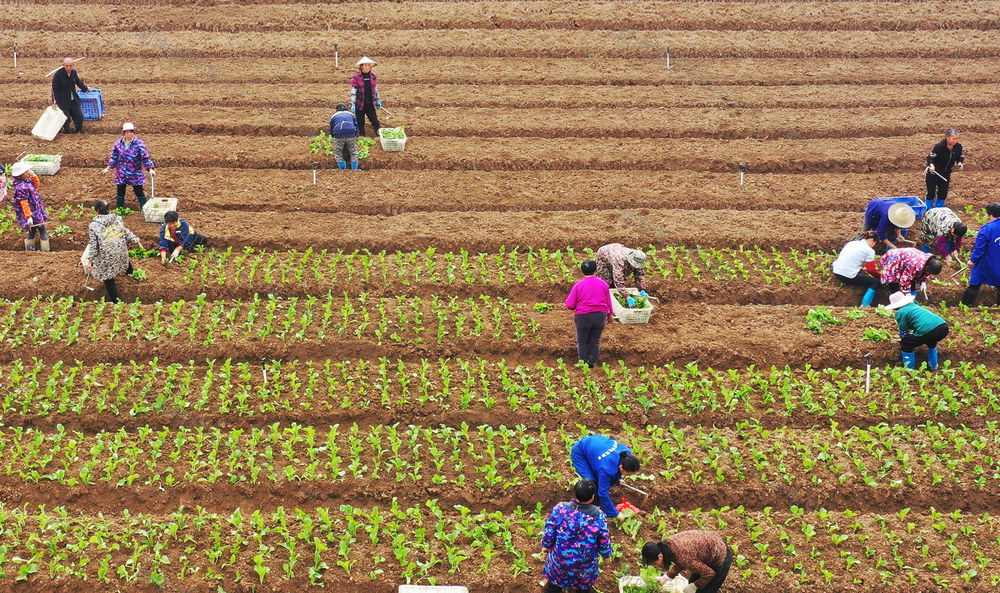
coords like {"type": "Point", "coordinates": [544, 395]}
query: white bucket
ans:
{"type": "Point", "coordinates": [49, 124]}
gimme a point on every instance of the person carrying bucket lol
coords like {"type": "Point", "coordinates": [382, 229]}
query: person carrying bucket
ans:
{"type": "Point", "coordinates": [128, 157]}
{"type": "Point", "coordinates": [887, 218]}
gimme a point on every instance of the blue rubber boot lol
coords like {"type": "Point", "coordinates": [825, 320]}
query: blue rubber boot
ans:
{"type": "Point", "coordinates": [909, 359]}
{"type": "Point", "coordinates": [924, 249]}
{"type": "Point", "coordinates": [869, 296]}
{"type": "Point", "coordinates": [341, 166]}
{"type": "Point", "coordinates": [354, 165]}
{"type": "Point", "coordinates": [932, 360]}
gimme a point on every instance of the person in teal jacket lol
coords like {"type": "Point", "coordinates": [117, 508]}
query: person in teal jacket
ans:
{"type": "Point", "coordinates": [917, 326]}
{"type": "Point", "coordinates": [603, 460]}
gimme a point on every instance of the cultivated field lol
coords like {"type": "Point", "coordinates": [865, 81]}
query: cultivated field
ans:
{"type": "Point", "coordinates": [359, 387]}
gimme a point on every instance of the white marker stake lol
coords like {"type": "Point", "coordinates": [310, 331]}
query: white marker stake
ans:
{"type": "Point", "coordinates": [263, 370]}
{"type": "Point", "coordinates": [15, 55]}
{"type": "Point", "coordinates": [742, 169]}
{"type": "Point", "coordinates": [868, 373]}
{"type": "Point", "coordinates": [668, 58]}
{"type": "Point", "coordinates": [314, 176]}
{"type": "Point", "coordinates": [336, 56]}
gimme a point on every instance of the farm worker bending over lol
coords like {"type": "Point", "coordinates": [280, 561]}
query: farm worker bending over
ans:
{"type": "Point", "coordinates": [128, 157]}
{"type": "Point", "coordinates": [615, 263]}
{"type": "Point", "coordinates": [946, 154]}
{"type": "Point", "coordinates": [107, 253]}
{"type": "Point", "coordinates": [344, 129]}
{"type": "Point", "coordinates": [941, 233]}
{"type": "Point", "coordinates": [573, 536]}
{"type": "Point", "coordinates": [64, 83]}
{"type": "Point", "coordinates": [176, 235]}
{"type": "Point", "coordinates": [985, 257]}
{"type": "Point", "coordinates": [605, 461]}
{"type": "Point", "coordinates": [917, 326]}
{"type": "Point", "coordinates": [364, 95]}
{"type": "Point", "coordinates": [28, 208]}
{"type": "Point", "coordinates": [590, 302]}
{"type": "Point", "coordinates": [906, 269]}
{"type": "Point", "coordinates": [886, 218]}
{"type": "Point", "coordinates": [856, 266]}
{"type": "Point", "coordinates": [704, 554]}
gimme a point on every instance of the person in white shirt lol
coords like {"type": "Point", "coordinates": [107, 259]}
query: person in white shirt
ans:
{"type": "Point", "coordinates": [856, 266]}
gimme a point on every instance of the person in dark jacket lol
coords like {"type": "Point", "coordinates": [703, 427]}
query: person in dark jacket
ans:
{"type": "Point", "coordinates": [364, 95]}
{"type": "Point", "coordinates": [704, 554]}
{"type": "Point", "coordinates": [945, 155]}
{"type": "Point", "coordinates": [605, 461]}
{"type": "Point", "coordinates": [64, 83]}
{"type": "Point", "coordinates": [985, 258]}
{"type": "Point", "coordinates": [176, 235]}
{"type": "Point", "coordinates": [344, 130]}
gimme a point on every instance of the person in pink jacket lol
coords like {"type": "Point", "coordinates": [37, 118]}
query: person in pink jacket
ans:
{"type": "Point", "coordinates": [590, 301]}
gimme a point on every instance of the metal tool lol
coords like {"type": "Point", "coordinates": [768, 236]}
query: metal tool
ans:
{"type": "Point", "coordinates": [86, 280]}
{"type": "Point", "coordinates": [934, 172]}
{"type": "Point", "coordinates": [645, 495]}
{"type": "Point", "coordinates": [901, 239]}
{"type": "Point", "coordinates": [388, 113]}
{"type": "Point", "coordinates": [868, 372]}
{"type": "Point", "coordinates": [75, 60]}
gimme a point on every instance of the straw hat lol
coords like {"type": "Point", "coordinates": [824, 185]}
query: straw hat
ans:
{"type": "Point", "coordinates": [19, 168]}
{"type": "Point", "coordinates": [366, 60]}
{"type": "Point", "coordinates": [902, 216]}
{"type": "Point", "coordinates": [899, 299]}
{"type": "Point", "coordinates": [636, 259]}
{"type": "Point", "coordinates": [128, 127]}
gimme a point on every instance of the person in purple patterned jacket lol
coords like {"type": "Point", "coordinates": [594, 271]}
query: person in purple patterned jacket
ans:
{"type": "Point", "coordinates": [574, 535]}
{"type": "Point", "coordinates": [128, 157]}
{"type": "Point", "coordinates": [29, 211]}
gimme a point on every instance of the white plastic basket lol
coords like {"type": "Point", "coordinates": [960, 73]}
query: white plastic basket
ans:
{"type": "Point", "coordinates": [630, 581]}
{"type": "Point", "coordinates": [628, 316]}
{"type": "Point", "coordinates": [155, 208]}
{"type": "Point", "coordinates": [48, 167]}
{"type": "Point", "coordinates": [49, 124]}
{"type": "Point", "coordinates": [392, 145]}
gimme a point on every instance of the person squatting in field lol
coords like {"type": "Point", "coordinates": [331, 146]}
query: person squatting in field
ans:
{"type": "Point", "coordinates": [176, 235]}
{"type": "Point", "coordinates": [704, 555]}
{"type": "Point", "coordinates": [917, 327]}
{"type": "Point", "coordinates": [615, 263]}
{"type": "Point", "coordinates": [907, 268]}
{"type": "Point", "coordinates": [603, 460]}
{"type": "Point", "coordinates": [590, 302]}
{"type": "Point", "coordinates": [887, 218]}
{"type": "Point", "coordinates": [575, 534]}
{"type": "Point", "coordinates": [128, 157]}
{"type": "Point", "coordinates": [985, 258]}
{"type": "Point", "coordinates": [29, 211]}
{"type": "Point", "coordinates": [106, 255]}
{"type": "Point", "coordinates": [364, 95]}
{"type": "Point", "coordinates": [941, 232]}
{"type": "Point", "coordinates": [856, 266]}
{"type": "Point", "coordinates": [344, 131]}
{"type": "Point", "coordinates": [944, 156]}
{"type": "Point", "coordinates": [64, 83]}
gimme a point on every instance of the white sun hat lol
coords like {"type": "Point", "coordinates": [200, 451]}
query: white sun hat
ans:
{"type": "Point", "coordinates": [899, 299]}
{"type": "Point", "coordinates": [365, 60]}
{"type": "Point", "coordinates": [19, 168]}
{"type": "Point", "coordinates": [902, 215]}
{"type": "Point", "coordinates": [128, 127]}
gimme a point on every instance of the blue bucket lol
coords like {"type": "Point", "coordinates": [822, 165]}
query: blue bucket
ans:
{"type": "Point", "coordinates": [914, 202]}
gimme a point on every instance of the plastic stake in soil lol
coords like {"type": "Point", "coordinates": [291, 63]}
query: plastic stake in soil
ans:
{"type": "Point", "coordinates": [336, 56]}
{"type": "Point", "coordinates": [868, 373]}
{"type": "Point", "coordinates": [15, 54]}
{"type": "Point", "coordinates": [263, 369]}
{"type": "Point", "coordinates": [743, 168]}
{"type": "Point", "coordinates": [314, 165]}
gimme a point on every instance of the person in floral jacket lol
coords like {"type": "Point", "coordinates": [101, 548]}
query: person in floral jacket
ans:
{"type": "Point", "coordinates": [106, 255]}
{"type": "Point", "coordinates": [128, 157]}
{"type": "Point", "coordinates": [903, 269]}
{"type": "Point", "coordinates": [574, 535]}
{"type": "Point", "coordinates": [29, 211]}
{"type": "Point", "coordinates": [615, 263]}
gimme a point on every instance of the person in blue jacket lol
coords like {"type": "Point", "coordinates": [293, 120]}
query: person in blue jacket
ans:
{"type": "Point", "coordinates": [344, 131]}
{"type": "Point", "coordinates": [887, 219]}
{"type": "Point", "coordinates": [603, 460]}
{"type": "Point", "coordinates": [175, 235]}
{"type": "Point", "coordinates": [985, 257]}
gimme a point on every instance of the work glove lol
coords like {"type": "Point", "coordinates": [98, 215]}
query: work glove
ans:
{"type": "Point", "coordinates": [378, 105]}
{"type": "Point", "coordinates": [30, 221]}
{"type": "Point", "coordinates": [643, 293]}
{"type": "Point", "coordinates": [923, 287]}
{"type": "Point", "coordinates": [152, 172]}
{"type": "Point", "coordinates": [903, 333]}
{"type": "Point", "coordinates": [630, 302]}
{"type": "Point", "coordinates": [625, 505]}
{"type": "Point", "coordinates": [352, 107]}
{"type": "Point", "coordinates": [931, 167]}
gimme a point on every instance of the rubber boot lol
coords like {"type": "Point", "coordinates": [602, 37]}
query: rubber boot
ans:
{"type": "Point", "coordinates": [354, 165]}
{"type": "Point", "coordinates": [44, 245]}
{"type": "Point", "coordinates": [909, 359]}
{"type": "Point", "coordinates": [342, 166]}
{"type": "Point", "coordinates": [932, 359]}
{"type": "Point", "coordinates": [29, 244]}
{"type": "Point", "coordinates": [119, 201]}
{"type": "Point", "coordinates": [924, 249]}
{"type": "Point", "coordinates": [869, 296]}
{"type": "Point", "coordinates": [142, 202]}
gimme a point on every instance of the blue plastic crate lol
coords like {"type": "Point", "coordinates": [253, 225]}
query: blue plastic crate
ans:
{"type": "Point", "coordinates": [91, 104]}
{"type": "Point", "coordinates": [914, 202]}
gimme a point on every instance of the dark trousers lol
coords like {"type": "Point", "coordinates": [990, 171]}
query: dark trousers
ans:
{"type": "Point", "coordinates": [861, 279]}
{"type": "Point", "coordinates": [369, 111]}
{"type": "Point", "coordinates": [972, 293]}
{"type": "Point", "coordinates": [550, 588]}
{"type": "Point", "coordinates": [43, 234]}
{"type": "Point", "coordinates": [140, 195]}
{"type": "Point", "coordinates": [937, 188]}
{"type": "Point", "coordinates": [931, 339]}
{"type": "Point", "coordinates": [720, 575]}
{"type": "Point", "coordinates": [588, 336]}
{"type": "Point", "coordinates": [109, 286]}
{"type": "Point", "coordinates": [74, 113]}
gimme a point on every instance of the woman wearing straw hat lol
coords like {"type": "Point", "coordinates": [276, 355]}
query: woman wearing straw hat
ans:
{"type": "Point", "coordinates": [917, 327]}
{"type": "Point", "coordinates": [128, 157]}
{"type": "Point", "coordinates": [28, 207]}
{"type": "Point", "coordinates": [364, 95]}
{"type": "Point", "coordinates": [887, 218]}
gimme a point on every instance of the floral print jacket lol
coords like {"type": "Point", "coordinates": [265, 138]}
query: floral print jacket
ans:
{"type": "Point", "coordinates": [128, 161]}
{"type": "Point", "coordinates": [27, 203]}
{"type": "Point", "coordinates": [574, 534]}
